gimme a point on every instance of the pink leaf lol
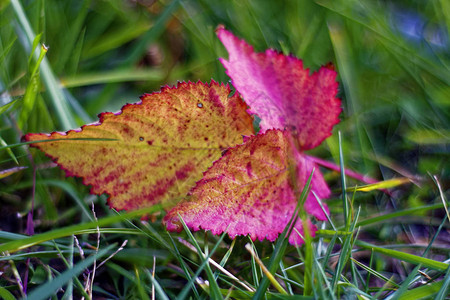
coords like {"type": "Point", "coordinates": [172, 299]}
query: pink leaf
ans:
{"type": "Point", "coordinates": [248, 191]}
{"type": "Point", "coordinates": [281, 92]}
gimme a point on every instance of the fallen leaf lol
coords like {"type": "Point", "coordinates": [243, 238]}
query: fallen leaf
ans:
{"type": "Point", "coordinates": [248, 191]}
{"type": "Point", "coordinates": [281, 92]}
{"type": "Point", "coordinates": [154, 150]}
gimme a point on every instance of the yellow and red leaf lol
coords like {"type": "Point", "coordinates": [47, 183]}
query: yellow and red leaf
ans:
{"type": "Point", "coordinates": [154, 150]}
{"type": "Point", "coordinates": [248, 191]}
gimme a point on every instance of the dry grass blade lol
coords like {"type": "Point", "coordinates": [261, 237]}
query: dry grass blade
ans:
{"type": "Point", "coordinates": [265, 270]}
{"type": "Point", "coordinates": [218, 266]}
{"type": "Point", "coordinates": [442, 196]}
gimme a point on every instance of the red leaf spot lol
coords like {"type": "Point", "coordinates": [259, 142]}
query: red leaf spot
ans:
{"type": "Point", "coordinates": [183, 172]}
{"type": "Point", "coordinates": [111, 177]}
{"type": "Point", "coordinates": [162, 186]}
{"type": "Point", "coordinates": [249, 169]}
{"type": "Point", "coordinates": [150, 143]}
{"type": "Point", "coordinates": [126, 130]}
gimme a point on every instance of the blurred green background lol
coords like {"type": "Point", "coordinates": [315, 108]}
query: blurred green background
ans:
{"type": "Point", "coordinates": [392, 58]}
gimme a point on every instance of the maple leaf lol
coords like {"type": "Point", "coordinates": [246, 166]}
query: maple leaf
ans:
{"type": "Point", "coordinates": [281, 92]}
{"type": "Point", "coordinates": [248, 191]}
{"type": "Point", "coordinates": [153, 150]}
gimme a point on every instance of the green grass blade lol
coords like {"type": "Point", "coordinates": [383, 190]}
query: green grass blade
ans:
{"type": "Point", "coordinates": [422, 292]}
{"type": "Point", "coordinates": [70, 190]}
{"type": "Point", "coordinates": [346, 246]}
{"type": "Point", "coordinates": [344, 185]}
{"type": "Point", "coordinates": [71, 38]}
{"type": "Point", "coordinates": [324, 279]}
{"type": "Point", "coordinates": [286, 278]}
{"type": "Point", "coordinates": [118, 38]}
{"type": "Point", "coordinates": [153, 234]}
{"type": "Point", "coordinates": [113, 76]}
{"type": "Point", "coordinates": [6, 295]}
{"type": "Point", "coordinates": [308, 280]}
{"type": "Point", "coordinates": [329, 250]}
{"type": "Point", "coordinates": [9, 151]}
{"type": "Point", "coordinates": [69, 265]}
{"type": "Point", "coordinates": [445, 9]}
{"type": "Point", "coordinates": [158, 289]}
{"type": "Point", "coordinates": [7, 236]}
{"type": "Point", "coordinates": [255, 274]}
{"type": "Point", "coordinates": [40, 254]}
{"type": "Point", "coordinates": [214, 289]}
{"type": "Point", "coordinates": [140, 286]}
{"type": "Point", "coordinates": [69, 288]}
{"type": "Point", "coordinates": [227, 255]}
{"type": "Point", "coordinates": [8, 105]}
{"type": "Point", "coordinates": [411, 258]}
{"type": "Point", "coordinates": [412, 276]}
{"type": "Point", "coordinates": [368, 273]}
{"type": "Point", "coordinates": [68, 231]}
{"type": "Point", "coordinates": [32, 89]}
{"type": "Point", "coordinates": [53, 140]}
{"type": "Point", "coordinates": [59, 102]}
{"type": "Point", "coordinates": [444, 291]}
{"type": "Point", "coordinates": [186, 270]}
{"type": "Point", "coordinates": [271, 296]}
{"type": "Point", "coordinates": [401, 213]}
{"type": "Point", "coordinates": [375, 273]}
